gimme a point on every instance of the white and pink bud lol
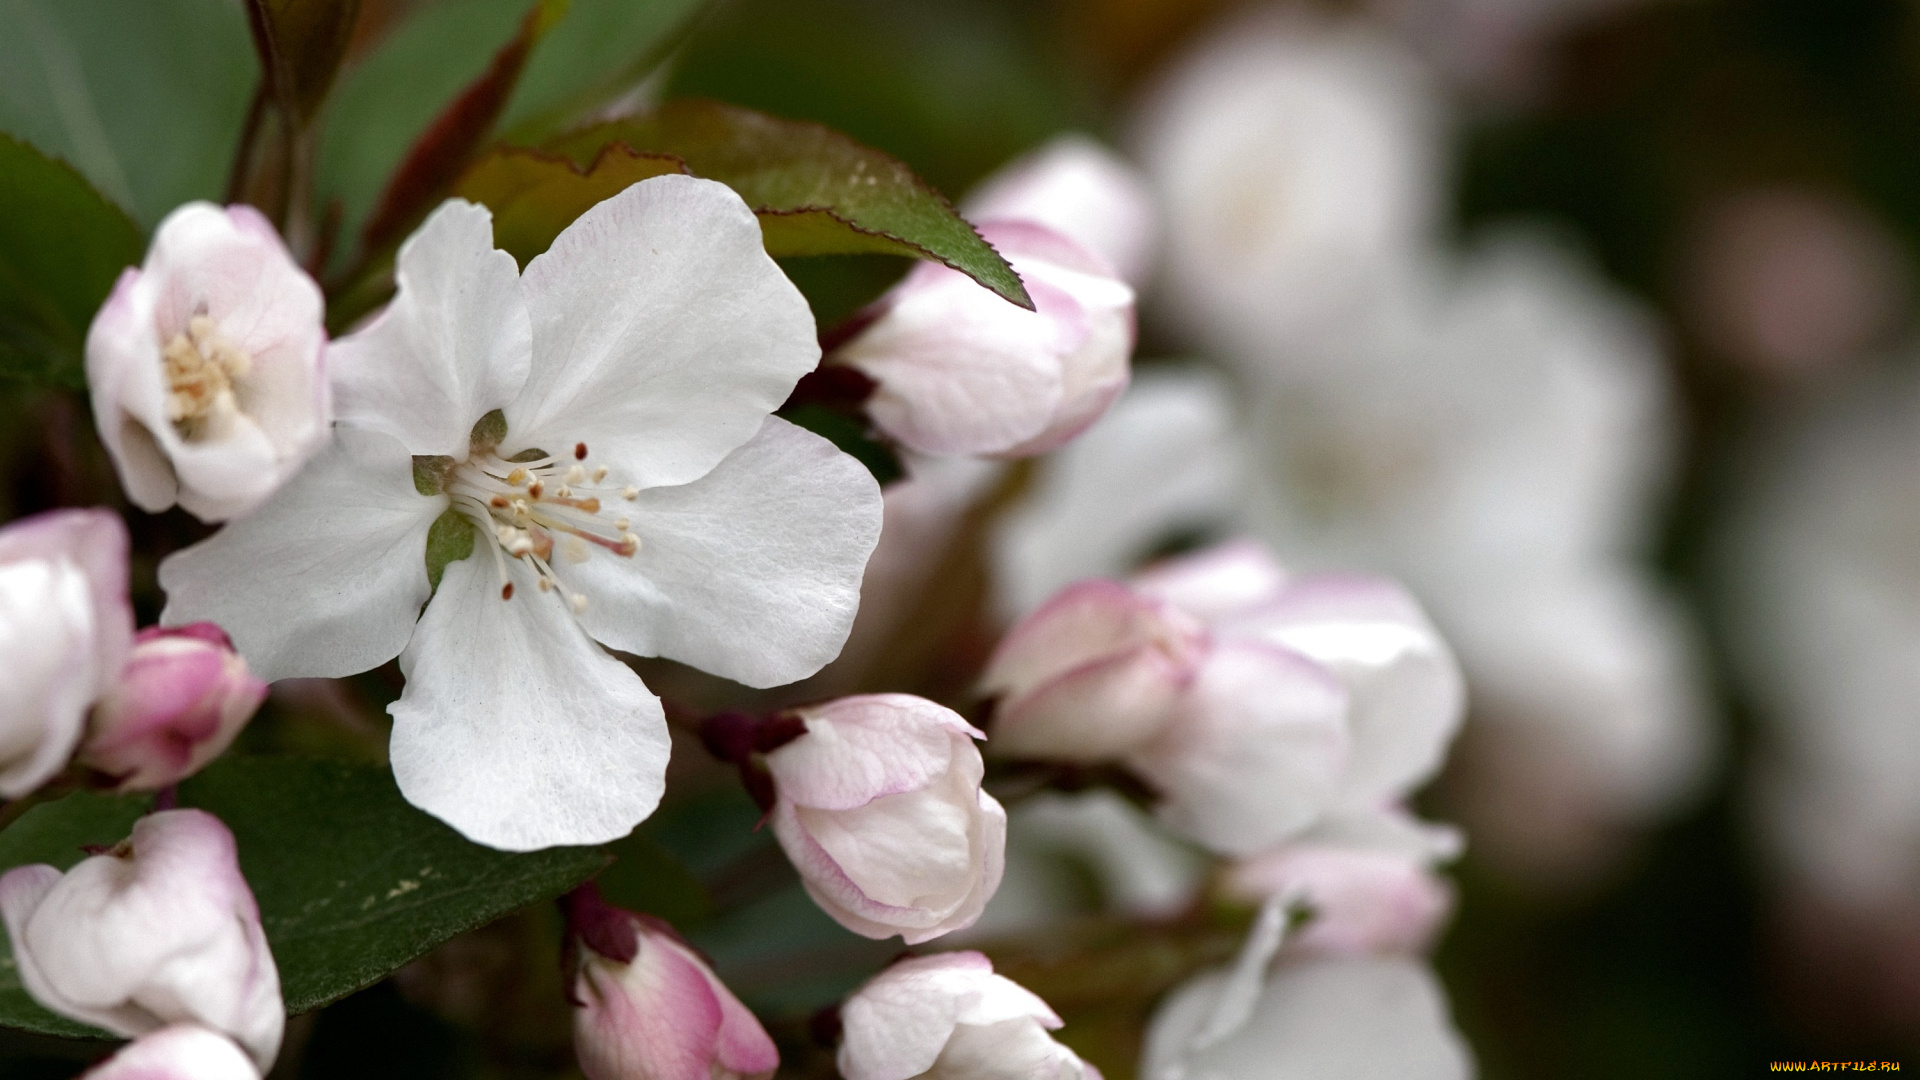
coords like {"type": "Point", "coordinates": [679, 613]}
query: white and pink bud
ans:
{"type": "Point", "coordinates": [160, 930]}
{"type": "Point", "coordinates": [1081, 189]}
{"type": "Point", "coordinates": [1406, 693]}
{"type": "Point", "coordinates": [960, 370]}
{"type": "Point", "coordinates": [66, 627]}
{"type": "Point", "coordinates": [177, 1052]}
{"type": "Point", "coordinates": [207, 365]}
{"type": "Point", "coordinates": [879, 807]}
{"type": "Point", "coordinates": [1360, 901]}
{"type": "Point", "coordinates": [182, 697]}
{"type": "Point", "coordinates": [1254, 704]}
{"type": "Point", "coordinates": [1093, 673]}
{"type": "Point", "coordinates": [949, 1017]}
{"type": "Point", "coordinates": [647, 1007]}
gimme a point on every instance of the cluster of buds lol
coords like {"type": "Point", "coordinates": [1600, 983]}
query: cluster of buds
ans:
{"type": "Point", "coordinates": [142, 710]}
{"type": "Point", "coordinates": [1279, 721]}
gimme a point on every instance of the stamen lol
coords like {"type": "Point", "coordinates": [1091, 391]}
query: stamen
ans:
{"type": "Point", "coordinates": [576, 474]}
{"type": "Point", "coordinates": [517, 477]}
{"type": "Point", "coordinates": [580, 451]}
{"type": "Point", "coordinates": [630, 492]}
{"type": "Point", "coordinates": [536, 489]}
{"type": "Point", "coordinates": [579, 603]}
{"type": "Point", "coordinates": [506, 591]}
{"type": "Point", "coordinates": [600, 474]}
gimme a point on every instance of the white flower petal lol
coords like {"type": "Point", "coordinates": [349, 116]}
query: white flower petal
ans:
{"type": "Point", "coordinates": [663, 333]}
{"type": "Point", "coordinates": [453, 345]}
{"type": "Point", "coordinates": [328, 577]}
{"type": "Point", "coordinates": [1368, 1017]}
{"type": "Point", "coordinates": [515, 728]}
{"type": "Point", "coordinates": [751, 572]}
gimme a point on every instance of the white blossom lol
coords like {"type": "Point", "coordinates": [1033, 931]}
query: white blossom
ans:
{"type": "Point", "coordinates": [598, 430]}
{"type": "Point", "coordinates": [207, 365]}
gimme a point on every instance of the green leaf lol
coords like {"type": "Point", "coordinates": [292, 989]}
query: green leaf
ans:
{"type": "Point", "coordinates": [384, 102]}
{"type": "Point", "coordinates": [301, 44]}
{"type": "Point", "coordinates": [449, 539]}
{"type": "Point", "coordinates": [144, 97]}
{"type": "Point", "coordinates": [851, 436]}
{"type": "Point", "coordinates": [57, 833]}
{"type": "Point", "coordinates": [61, 247]}
{"type": "Point", "coordinates": [534, 196]}
{"type": "Point", "coordinates": [601, 50]}
{"type": "Point", "coordinates": [352, 881]}
{"type": "Point", "coordinates": [817, 192]}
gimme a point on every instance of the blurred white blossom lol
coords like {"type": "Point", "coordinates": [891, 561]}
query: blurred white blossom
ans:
{"type": "Point", "coordinates": [1306, 1018]}
{"type": "Point", "coordinates": [1298, 163]}
{"type": "Point", "coordinates": [160, 930]}
{"type": "Point", "coordinates": [949, 1017]}
{"type": "Point", "coordinates": [66, 626]}
{"type": "Point", "coordinates": [879, 807]}
{"type": "Point", "coordinates": [1499, 439]}
{"type": "Point", "coordinates": [591, 444]}
{"type": "Point", "coordinates": [207, 366]}
{"type": "Point", "coordinates": [1823, 603]}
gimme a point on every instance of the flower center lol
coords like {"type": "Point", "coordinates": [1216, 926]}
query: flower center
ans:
{"type": "Point", "coordinates": [202, 367]}
{"type": "Point", "coordinates": [542, 507]}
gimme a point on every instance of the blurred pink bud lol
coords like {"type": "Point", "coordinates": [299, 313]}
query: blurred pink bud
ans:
{"type": "Point", "coordinates": [66, 627]}
{"type": "Point", "coordinates": [177, 1052]}
{"type": "Point", "coordinates": [183, 696]}
{"type": "Point", "coordinates": [1790, 283]}
{"type": "Point", "coordinates": [1361, 900]}
{"type": "Point", "coordinates": [1081, 189]}
{"type": "Point", "coordinates": [648, 1008]}
{"type": "Point", "coordinates": [961, 370]}
{"type": "Point", "coordinates": [949, 1017]}
{"type": "Point", "coordinates": [206, 366]}
{"type": "Point", "coordinates": [160, 930]}
{"type": "Point", "coordinates": [1091, 674]}
{"type": "Point", "coordinates": [879, 807]}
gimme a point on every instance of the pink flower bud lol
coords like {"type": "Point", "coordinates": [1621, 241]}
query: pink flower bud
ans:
{"type": "Point", "coordinates": [879, 807]}
{"type": "Point", "coordinates": [949, 1017]}
{"type": "Point", "coordinates": [1360, 900]}
{"type": "Point", "coordinates": [161, 930]}
{"type": "Point", "coordinates": [1081, 189]}
{"type": "Point", "coordinates": [648, 1008]}
{"type": "Point", "coordinates": [177, 1052]}
{"type": "Point", "coordinates": [206, 366]}
{"type": "Point", "coordinates": [181, 699]}
{"type": "Point", "coordinates": [960, 370]}
{"type": "Point", "coordinates": [66, 626]}
{"type": "Point", "coordinates": [1093, 673]}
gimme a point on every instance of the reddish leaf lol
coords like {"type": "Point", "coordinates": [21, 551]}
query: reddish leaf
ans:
{"type": "Point", "coordinates": [444, 149]}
